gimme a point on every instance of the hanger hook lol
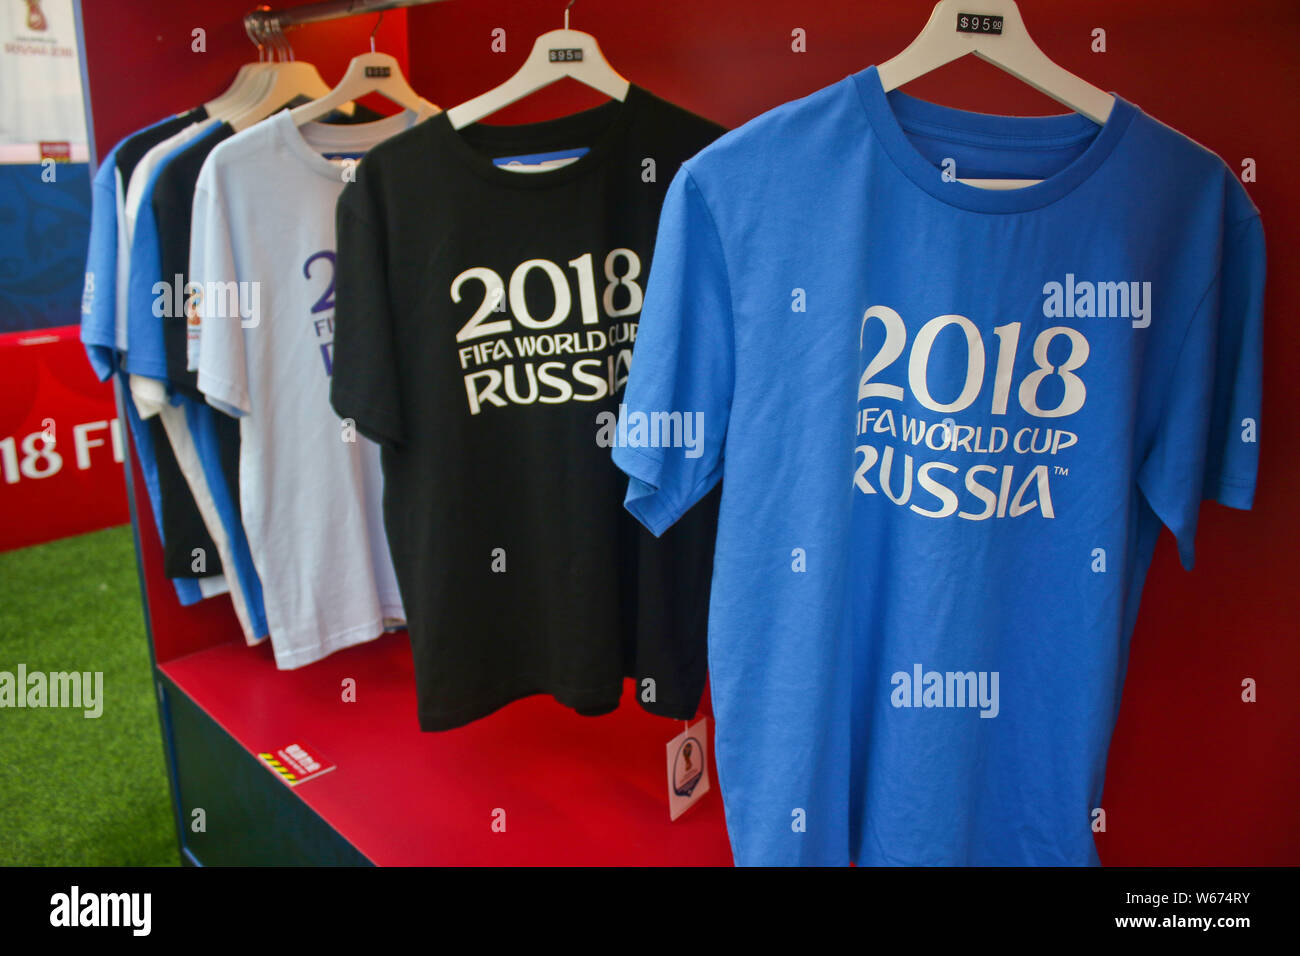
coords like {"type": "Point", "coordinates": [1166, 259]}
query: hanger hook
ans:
{"type": "Point", "coordinates": [286, 51]}
{"type": "Point", "coordinates": [254, 28]}
{"type": "Point", "coordinates": [566, 12]}
{"type": "Point", "coordinates": [284, 37]}
{"type": "Point", "coordinates": [267, 29]}
{"type": "Point", "coordinates": [376, 30]}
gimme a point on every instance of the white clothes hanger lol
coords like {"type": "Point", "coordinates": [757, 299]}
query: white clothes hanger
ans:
{"type": "Point", "coordinates": [368, 73]}
{"type": "Point", "coordinates": [289, 79]}
{"type": "Point", "coordinates": [994, 31]}
{"type": "Point", "coordinates": [250, 80]}
{"type": "Point", "coordinates": [235, 93]}
{"type": "Point", "coordinates": [555, 55]}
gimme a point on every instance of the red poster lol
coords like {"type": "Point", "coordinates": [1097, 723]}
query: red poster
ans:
{"type": "Point", "coordinates": [61, 445]}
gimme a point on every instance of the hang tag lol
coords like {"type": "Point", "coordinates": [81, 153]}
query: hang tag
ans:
{"type": "Point", "coordinates": [977, 23]}
{"type": "Point", "coordinates": [688, 768]}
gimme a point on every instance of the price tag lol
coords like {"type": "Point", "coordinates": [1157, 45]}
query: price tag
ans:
{"type": "Point", "coordinates": [977, 23]}
{"type": "Point", "coordinates": [688, 768]}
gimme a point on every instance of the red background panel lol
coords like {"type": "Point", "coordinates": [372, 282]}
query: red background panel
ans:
{"type": "Point", "coordinates": [1196, 776]}
{"type": "Point", "coordinates": [44, 376]}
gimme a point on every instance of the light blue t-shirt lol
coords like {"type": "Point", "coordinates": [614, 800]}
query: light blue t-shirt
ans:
{"type": "Point", "coordinates": [949, 423]}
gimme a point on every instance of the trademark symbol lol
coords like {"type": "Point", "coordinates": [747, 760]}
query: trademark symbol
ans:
{"type": "Point", "coordinates": [1057, 469]}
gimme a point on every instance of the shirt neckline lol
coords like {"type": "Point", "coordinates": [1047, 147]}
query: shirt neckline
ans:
{"type": "Point", "coordinates": [892, 114]}
{"type": "Point", "coordinates": [340, 137]}
{"type": "Point", "coordinates": [598, 128]}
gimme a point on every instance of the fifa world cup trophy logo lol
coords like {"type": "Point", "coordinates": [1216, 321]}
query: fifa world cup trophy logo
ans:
{"type": "Point", "coordinates": [35, 16]}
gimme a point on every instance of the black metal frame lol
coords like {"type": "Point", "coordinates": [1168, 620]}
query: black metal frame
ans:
{"type": "Point", "coordinates": [264, 21]}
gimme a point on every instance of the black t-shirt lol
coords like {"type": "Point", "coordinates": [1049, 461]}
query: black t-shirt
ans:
{"type": "Point", "coordinates": [183, 529]}
{"type": "Point", "coordinates": [133, 148]}
{"type": "Point", "coordinates": [484, 318]}
{"type": "Point", "coordinates": [173, 203]}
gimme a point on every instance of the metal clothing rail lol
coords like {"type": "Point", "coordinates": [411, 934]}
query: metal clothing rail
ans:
{"type": "Point", "coordinates": [264, 21]}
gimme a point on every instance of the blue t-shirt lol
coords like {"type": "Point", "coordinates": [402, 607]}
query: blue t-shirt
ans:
{"type": "Point", "coordinates": [949, 423]}
{"type": "Point", "coordinates": [98, 331]}
{"type": "Point", "coordinates": [99, 294]}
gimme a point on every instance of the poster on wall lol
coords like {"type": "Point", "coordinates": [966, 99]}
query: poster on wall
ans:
{"type": "Point", "coordinates": [44, 180]}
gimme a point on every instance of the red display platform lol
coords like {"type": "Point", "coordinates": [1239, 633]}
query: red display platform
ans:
{"type": "Point", "coordinates": [574, 790]}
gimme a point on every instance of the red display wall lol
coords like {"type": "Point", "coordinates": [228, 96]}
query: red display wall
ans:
{"type": "Point", "coordinates": [1197, 775]}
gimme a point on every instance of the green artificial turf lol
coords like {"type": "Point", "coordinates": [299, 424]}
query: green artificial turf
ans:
{"type": "Point", "coordinates": [77, 791]}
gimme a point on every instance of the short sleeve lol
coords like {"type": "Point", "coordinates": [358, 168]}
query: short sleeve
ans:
{"type": "Point", "coordinates": [683, 367]}
{"type": "Point", "coordinates": [218, 348]}
{"type": "Point", "coordinates": [1206, 442]}
{"type": "Point", "coordinates": [365, 384]}
{"type": "Point", "coordinates": [146, 297]}
{"type": "Point", "coordinates": [99, 295]}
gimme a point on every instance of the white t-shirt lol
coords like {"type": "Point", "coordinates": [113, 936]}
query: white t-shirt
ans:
{"type": "Point", "coordinates": [40, 78]}
{"type": "Point", "coordinates": [310, 488]}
